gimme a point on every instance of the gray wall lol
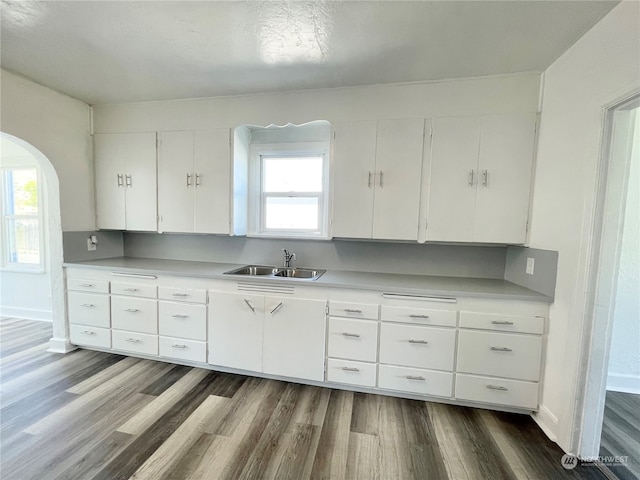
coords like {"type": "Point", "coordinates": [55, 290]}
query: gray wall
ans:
{"type": "Point", "coordinates": [543, 279]}
{"type": "Point", "coordinates": [110, 244]}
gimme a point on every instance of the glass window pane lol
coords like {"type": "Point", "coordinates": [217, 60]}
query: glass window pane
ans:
{"type": "Point", "coordinates": [23, 241]}
{"type": "Point", "coordinates": [291, 213]}
{"type": "Point", "coordinates": [21, 192]}
{"type": "Point", "coordinates": [292, 174]}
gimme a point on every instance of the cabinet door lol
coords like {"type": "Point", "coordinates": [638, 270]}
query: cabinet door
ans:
{"type": "Point", "coordinates": [236, 325]}
{"type": "Point", "coordinates": [109, 181]}
{"type": "Point", "coordinates": [294, 338]}
{"type": "Point", "coordinates": [452, 179]}
{"type": "Point", "coordinates": [354, 150]}
{"type": "Point", "coordinates": [176, 182]}
{"type": "Point", "coordinates": [504, 180]}
{"type": "Point", "coordinates": [212, 167]}
{"type": "Point", "coordinates": [141, 210]}
{"type": "Point", "coordinates": [396, 201]}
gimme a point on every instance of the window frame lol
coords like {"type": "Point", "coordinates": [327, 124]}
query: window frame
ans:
{"type": "Point", "coordinates": [258, 195]}
{"type": "Point", "coordinates": [5, 263]}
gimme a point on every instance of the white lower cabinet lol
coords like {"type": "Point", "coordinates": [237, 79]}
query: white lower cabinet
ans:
{"type": "Point", "coordinates": [497, 391]}
{"type": "Point", "coordinates": [417, 346]}
{"type": "Point", "coordinates": [90, 336]}
{"type": "Point", "coordinates": [182, 320]}
{"type": "Point", "coordinates": [88, 309]}
{"type": "Point", "coordinates": [182, 349]}
{"type": "Point", "coordinates": [351, 373]}
{"type": "Point", "coordinates": [134, 342]}
{"type": "Point", "coordinates": [415, 380]}
{"type": "Point", "coordinates": [353, 339]}
{"type": "Point", "coordinates": [134, 314]}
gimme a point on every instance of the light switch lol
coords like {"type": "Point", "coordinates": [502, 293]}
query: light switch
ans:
{"type": "Point", "coordinates": [530, 263]}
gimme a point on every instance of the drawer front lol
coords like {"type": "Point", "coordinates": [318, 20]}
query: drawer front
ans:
{"type": "Point", "coordinates": [421, 316]}
{"type": "Point", "coordinates": [182, 294]}
{"type": "Point", "coordinates": [88, 309]}
{"type": "Point", "coordinates": [134, 314]}
{"type": "Point", "coordinates": [415, 380]}
{"type": "Point", "coordinates": [134, 289]}
{"type": "Point", "coordinates": [352, 373]}
{"type": "Point", "coordinates": [88, 285]}
{"type": "Point", "coordinates": [134, 342]}
{"type": "Point", "coordinates": [497, 391]}
{"type": "Point", "coordinates": [90, 336]}
{"type": "Point", "coordinates": [503, 323]}
{"type": "Point", "coordinates": [182, 320]}
{"type": "Point", "coordinates": [353, 310]}
{"type": "Point", "coordinates": [499, 354]}
{"type": "Point", "coordinates": [183, 349]}
{"type": "Point", "coordinates": [353, 339]}
{"type": "Point", "coordinates": [413, 346]}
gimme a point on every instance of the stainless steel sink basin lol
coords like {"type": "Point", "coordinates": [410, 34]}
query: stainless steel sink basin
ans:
{"type": "Point", "coordinates": [277, 272]}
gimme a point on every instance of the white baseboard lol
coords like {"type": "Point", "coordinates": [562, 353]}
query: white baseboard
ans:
{"type": "Point", "coordinates": [623, 383]}
{"type": "Point", "coordinates": [60, 345]}
{"type": "Point", "coordinates": [547, 422]}
{"type": "Point", "coordinates": [26, 313]}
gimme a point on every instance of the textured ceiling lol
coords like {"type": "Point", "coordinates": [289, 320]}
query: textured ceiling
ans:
{"type": "Point", "coordinates": [122, 51]}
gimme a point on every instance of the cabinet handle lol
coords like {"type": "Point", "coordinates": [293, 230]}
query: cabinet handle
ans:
{"type": "Point", "coordinates": [421, 342]}
{"type": "Point", "coordinates": [278, 306]}
{"type": "Point", "coordinates": [413, 377]}
{"type": "Point", "coordinates": [197, 179]}
{"type": "Point", "coordinates": [350, 369]}
{"type": "Point", "coordinates": [380, 181]}
{"type": "Point", "coordinates": [501, 322]}
{"type": "Point", "coordinates": [177, 315]}
{"type": "Point", "coordinates": [131, 310]}
{"type": "Point", "coordinates": [352, 310]}
{"type": "Point", "coordinates": [485, 178]}
{"type": "Point", "coordinates": [354, 335]}
{"type": "Point", "coordinates": [471, 178]}
{"type": "Point", "coordinates": [130, 289]}
{"type": "Point", "coordinates": [418, 316]}
{"type": "Point", "coordinates": [369, 182]}
{"type": "Point", "coordinates": [249, 305]}
{"type": "Point", "coordinates": [119, 176]}
{"type": "Point", "coordinates": [132, 340]}
{"type": "Point", "coordinates": [178, 346]}
{"type": "Point", "coordinates": [87, 285]}
{"type": "Point", "coordinates": [88, 332]}
{"type": "Point", "coordinates": [180, 294]}
{"type": "Point", "coordinates": [129, 180]}
{"type": "Point", "coordinates": [188, 179]}
{"type": "Point", "coordinates": [501, 349]}
{"type": "Point", "coordinates": [497, 387]}
{"type": "Point", "coordinates": [88, 305]}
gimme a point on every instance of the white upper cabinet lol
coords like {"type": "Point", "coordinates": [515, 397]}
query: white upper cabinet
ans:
{"type": "Point", "coordinates": [377, 171]}
{"type": "Point", "coordinates": [479, 178]}
{"type": "Point", "coordinates": [194, 172]}
{"type": "Point", "coordinates": [125, 181]}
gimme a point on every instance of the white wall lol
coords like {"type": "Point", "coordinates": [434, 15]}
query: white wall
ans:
{"type": "Point", "coordinates": [58, 126]}
{"type": "Point", "coordinates": [597, 70]}
{"type": "Point", "coordinates": [624, 357]}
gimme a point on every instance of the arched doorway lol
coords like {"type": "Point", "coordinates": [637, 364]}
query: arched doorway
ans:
{"type": "Point", "coordinates": [53, 258]}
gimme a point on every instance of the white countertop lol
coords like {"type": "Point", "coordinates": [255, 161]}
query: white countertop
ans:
{"type": "Point", "coordinates": [386, 282]}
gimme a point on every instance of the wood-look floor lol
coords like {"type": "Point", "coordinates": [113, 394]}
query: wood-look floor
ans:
{"type": "Point", "coordinates": [621, 433]}
{"type": "Point", "coordinates": [93, 415]}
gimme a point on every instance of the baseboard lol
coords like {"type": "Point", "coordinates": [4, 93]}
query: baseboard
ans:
{"type": "Point", "coordinates": [26, 313]}
{"type": "Point", "coordinates": [547, 422]}
{"type": "Point", "coordinates": [60, 345]}
{"type": "Point", "coordinates": [623, 383]}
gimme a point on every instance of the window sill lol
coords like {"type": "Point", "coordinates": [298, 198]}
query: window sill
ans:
{"type": "Point", "coordinates": [283, 236]}
{"type": "Point", "coordinates": [35, 270]}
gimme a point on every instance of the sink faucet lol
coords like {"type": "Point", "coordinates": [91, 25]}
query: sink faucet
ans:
{"type": "Point", "coordinates": [288, 257]}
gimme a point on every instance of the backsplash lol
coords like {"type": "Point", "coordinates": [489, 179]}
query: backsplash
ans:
{"type": "Point", "coordinates": [74, 245]}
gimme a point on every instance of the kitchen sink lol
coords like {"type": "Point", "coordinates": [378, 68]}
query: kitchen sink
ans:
{"type": "Point", "coordinates": [277, 272]}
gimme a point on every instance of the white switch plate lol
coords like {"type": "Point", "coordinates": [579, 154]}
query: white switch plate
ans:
{"type": "Point", "coordinates": [530, 264]}
{"type": "Point", "coordinates": [90, 245]}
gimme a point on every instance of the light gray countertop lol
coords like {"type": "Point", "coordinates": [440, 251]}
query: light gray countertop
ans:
{"type": "Point", "coordinates": [386, 282]}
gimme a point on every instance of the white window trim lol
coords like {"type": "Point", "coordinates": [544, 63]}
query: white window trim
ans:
{"type": "Point", "coordinates": [257, 194]}
{"type": "Point", "coordinates": [5, 265]}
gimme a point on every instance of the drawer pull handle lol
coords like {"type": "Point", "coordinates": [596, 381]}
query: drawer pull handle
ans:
{"type": "Point", "coordinates": [418, 316]}
{"type": "Point", "coordinates": [501, 349]}
{"type": "Point", "coordinates": [249, 305]}
{"type": "Point", "coordinates": [88, 332]}
{"type": "Point", "coordinates": [88, 305]}
{"type": "Point", "coordinates": [413, 377]}
{"type": "Point", "coordinates": [501, 322]}
{"type": "Point", "coordinates": [354, 335]}
{"type": "Point", "coordinates": [133, 340]}
{"type": "Point", "coordinates": [178, 346]}
{"type": "Point", "coordinates": [131, 310]}
{"type": "Point", "coordinates": [350, 369]}
{"type": "Point", "coordinates": [180, 294]}
{"type": "Point", "coordinates": [130, 289]}
{"type": "Point", "coordinates": [278, 307]}
{"type": "Point", "coordinates": [177, 315]}
{"type": "Point", "coordinates": [86, 285]}
{"type": "Point", "coordinates": [421, 342]}
{"type": "Point", "coordinates": [352, 310]}
{"type": "Point", "coordinates": [498, 387]}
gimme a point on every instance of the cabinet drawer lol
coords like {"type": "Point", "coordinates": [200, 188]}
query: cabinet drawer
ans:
{"type": "Point", "coordinates": [497, 391]}
{"type": "Point", "coordinates": [134, 314]}
{"type": "Point", "coordinates": [353, 373]}
{"type": "Point", "coordinates": [182, 294]}
{"type": "Point", "coordinates": [134, 290]}
{"type": "Point", "coordinates": [422, 316]}
{"type": "Point", "coordinates": [88, 285]}
{"type": "Point", "coordinates": [499, 354]}
{"type": "Point", "coordinates": [353, 310]}
{"type": "Point", "coordinates": [413, 346]}
{"type": "Point", "coordinates": [182, 320]}
{"type": "Point", "coordinates": [88, 309]}
{"type": "Point", "coordinates": [183, 349]}
{"type": "Point", "coordinates": [415, 380]}
{"type": "Point", "coordinates": [134, 342]}
{"type": "Point", "coordinates": [90, 336]}
{"type": "Point", "coordinates": [504, 323]}
{"type": "Point", "coordinates": [353, 339]}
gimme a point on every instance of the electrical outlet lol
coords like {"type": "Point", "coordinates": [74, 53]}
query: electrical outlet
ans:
{"type": "Point", "coordinates": [530, 264]}
{"type": "Point", "coordinates": [90, 245]}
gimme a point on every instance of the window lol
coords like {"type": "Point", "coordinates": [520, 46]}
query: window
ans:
{"type": "Point", "coordinates": [21, 219]}
{"type": "Point", "coordinates": [290, 190]}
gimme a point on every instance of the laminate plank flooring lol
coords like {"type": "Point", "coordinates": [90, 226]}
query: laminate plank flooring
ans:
{"type": "Point", "coordinates": [621, 433]}
{"type": "Point", "coordinates": [93, 415]}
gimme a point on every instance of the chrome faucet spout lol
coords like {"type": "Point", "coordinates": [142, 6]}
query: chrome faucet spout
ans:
{"type": "Point", "coordinates": [288, 258]}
